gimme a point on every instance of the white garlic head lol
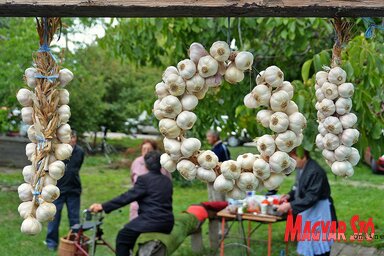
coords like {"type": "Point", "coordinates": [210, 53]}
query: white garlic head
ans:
{"type": "Point", "coordinates": [246, 161]}
{"type": "Point", "coordinates": [29, 174]}
{"type": "Point", "coordinates": [279, 101]}
{"type": "Point", "coordinates": [207, 66]}
{"type": "Point", "coordinates": [190, 146]}
{"type": "Point", "coordinates": [279, 161]}
{"type": "Point", "coordinates": [331, 141]}
{"type": "Point", "coordinates": [263, 117]}
{"type": "Point", "coordinates": [167, 163]}
{"type": "Point", "coordinates": [274, 181]}
{"type": "Point", "coordinates": [350, 137]}
{"type": "Point", "coordinates": [63, 133]}
{"type": "Point", "coordinates": [222, 184]}
{"type": "Point", "coordinates": [220, 51]}
{"type": "Point", "coordinates": [330, 91]}
{"type": "Point", "coordinates": [348, 120]}
{"type": "Point", "coordinates": [45, 212]}
{"type": "Point", "coordinates": [186, 119]}
{"type": "Point", "coordinates": [233, 75]}
{"type": "Point", "coordinates": [343, 106]}
{"type": "Point", "coordinates": [337, 76]}
{"type": "Point", "coordinates": [286, 141]}
{"type": "Point", "coordinates": [279, 122]}
{"type": "Point", "coordinates": [50, 193]}
{"type": "Point", "coordinates": [196, 51]}
{"type": "Point", "coordinates": [25, 209]}
{"type": "Point", "coordinates": [31, 226]}
{"type": "Point", "coordinates": [189, 102]}
{"type": "Point", "coordinates": [261, 169]}
{"type": "Point", "coordinates": [346, 90]}
{"type": "Point", "coordinates": [266, 145]}
{"type": "Point", "coordinates": [187, 68]}
{"type": "Point", "coordinates": [230, 169]}
{"type": "Point", "coordinates": [262, 94]}
{"type": "Point", "coordinates": [297, 122]}
{"type": "Point", "coordinates": [244, 61]}
{"type": "Point", "coordinates": [63, 97]}
{"type": "Point", "coordinates": [321, 78]}
{"type": "Point", "coordinates": [168, 128]}
{"type": "Point", "coordinates": [64, 113]}
{"type": "Point", "coordinates": [24, 97]}
{"type": "Point", "coordinates": [247, 181]}
{"type": "Point", "coordinates": [63, 151]}
{"type": "Point", "coordinates": [175, 85]}
{"type": "Point", "coordinates": [333, 125]}
{"type": "Point", "coordinates": [56, 169]}
{"type": "Point", "coordinates": [65, 76]}
{"type": "Point", "coordinates": [25, 192]}
{"type": "Point", "coordinates": [206, 175]}
{"type": "Point", "coordinates": [207, 159]}
{"type": "Point", "coordinates": [30, 74]}
{"type": "Point", "coordinates": [26, 115]}
{"type": "Point", "coordinates": [273, 76]}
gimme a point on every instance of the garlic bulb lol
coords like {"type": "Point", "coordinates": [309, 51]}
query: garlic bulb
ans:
{"type": "Point", "coordinates": [330, 91]}
{"type": "Point", "coordinates": [354, 157]}
{"type": "Point", "coordinates": [321, 78]}
{"type": "Point", "coordinates": [167, 163]}
{"type": "Point", "coordinates": [214, 81]}
{"type": "Point", "coordinates": [250, 101]}
{"type": "Point", "coordinates": [320, 141]}
{"type": "Point", "coordinates": [45, 212]}
{"type": "Point", "coordinates": [189, 102]}
{"type": "Point", "coordinates": [279, 122]}
{"type": "Point", "coordinates": [274, 181]}
{"type": "Point", "coordinates": [63, 97]}
{"type": "Point", "coordinates": [196, 51]}
{"type": "Point", "coordinates": [244, 61]}
{"type": "Point", "coordinates": [233, 75]}
{"type": "Point", "coordinates": [230, 169]}
{"type": "Point", "coordinates": [207, 175]}
{"type": "Point", "coordinates": [346, 90]}
{"type": "Point", "coordinates": [25, 209]}
{"type": "Point", "coordinates": [297, 122]}
{"type": "Point", "coordinates": [201, 94]}
{"type": "Point", "coordinates": [168, 128]}
{"type": "Point", "coordinates": [172, 146]}
{"type": "Point", "coordinates": [48, 180]}
{"type": "Point", "coordinates": [25, 192]}
{"type": "Point", "coordinates": [190, 146]}
{"type": "Point", "coordinates": [266, 145]}
{"type": "Point", "coordinates": [328, 155]}
{"type": "Point", "coordinates": [161, 90]}
{"type": "Point", "coordinates": [30, 74]}
{"type": "Point", "coordinates": [247, 181]}
{"type": "Point", "coordinates": [279, 101]}
{"type": "Point", "coordinates": [64, 113]}
{"type": "Point", "coordinates": [170, 106]}
{"type": "Point", "coordinates": [187, 68]}
{"type": "Point", "coordinates": [28, 174]}
{"type": "Point", "coordinates": [273, 76]}
{"type": "Point", "coordinates": [63, 151]}
{"type": "Point", "coordinates": [195, 84]}
{"type": "Point", "coordinates": [262, 94]}
{"type": "Point", "coordinates": [32, 134]}
{"type": "Point", "coordinates": [263, 117]}
{"type": "Point", "coordinates": [331, 141]}
{"type": "Point", "coordinates": [333, 125]}
{"type": "Point", "coordinates": [220, 51]}
{"type": "Point", "coordinates": [260, 78]}
{"type": "Point", "coordinates": [287, 87]}
{"type": "Point", "coordinates": [246, 161]}
{"type": "Point", "coordinates": [30, 149]}
{"type": "Point", "coordinates": [186, 119]}
{"type": "Point", "coordinates": [187, 169]}
{"type": "Point", "coordinates": [31, 226]}
{"type": "Point", "coordinates": [343, 169]}
{"type": "Point", "coordinates": [322, 129]}
{"type": "Point", "coordinates": [348, 120]}
{"type": "Point", "coordinates": [24, 97]}
{"type": "Point", "coordinates": [168, 71]}
{"type": "Point", "coordinates": [236, 193]}
{"type": "Point", "coordinates": [291, 167]}
{"type": "Point", "coordinates": [63, 133]}
{"type": "Point", "coordinates": [299, 139]}
{"type": "Point", "coordinates": [26, 115]}
{"type": "Point", "coordinates": [222, 184]}
{"type": "Point", "coordinates": [343, 106]}
{"type": "Point", "coordinates": [279, 161]}
{"type": "Point", "coordinates": [261, 169]}
{"type": "Point", "coordinates": [342, 153]}
{"type": "Point", "coordinates": [50, 193]}
{"type": "Point", "coordinates": [337, 76]}
{"type": "Point", "coordinates": [207, 66]}
{"type": "Point", "coordinates": [65, 76]}
{"type": "Point", "coordinates": [291, 108]}
{"type": "Point", "coordinates": [286, 141]}
{"type": "Point", "coordinates": [319, 95]}
{"type": "Point", "coordinates": [56, 169]}
{"type": "Point", "coordinates": [175, 85]}
{"type": "Point", "coordinates": [349, 137]}
{"type": "Point", "coordinates": [327, 107]}
{"type": "Point", "coordinates": [207, 159]}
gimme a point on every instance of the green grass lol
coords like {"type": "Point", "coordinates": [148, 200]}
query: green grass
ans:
{"type": "Point", "coordinates": [100, 183]}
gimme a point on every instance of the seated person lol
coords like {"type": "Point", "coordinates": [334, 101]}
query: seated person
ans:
{"type": "Point", "coordinates": [153, 192]}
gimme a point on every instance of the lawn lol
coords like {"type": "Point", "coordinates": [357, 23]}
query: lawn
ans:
{"type": "Point", "coordinates": [360, 194]}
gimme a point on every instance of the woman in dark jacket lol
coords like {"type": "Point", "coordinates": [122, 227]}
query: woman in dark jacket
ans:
{"type": "Point", "coordinates": [311, 198]}
{"type": "Point", "coordinates": [153, 192]}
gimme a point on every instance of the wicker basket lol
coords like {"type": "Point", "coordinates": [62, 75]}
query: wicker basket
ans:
{"type": "Point", "coordinates": [67, 245]}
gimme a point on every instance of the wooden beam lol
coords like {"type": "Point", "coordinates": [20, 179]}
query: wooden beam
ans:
{"type": "Point", "coordinates": [192, 8]}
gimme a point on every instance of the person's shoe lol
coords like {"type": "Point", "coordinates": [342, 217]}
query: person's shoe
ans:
{"type": "Point", "coordinates": [50, 248]}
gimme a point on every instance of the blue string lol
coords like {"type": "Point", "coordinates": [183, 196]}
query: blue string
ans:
{"type": "Point", "coordinates": [40, 142]}
{"type": "Point", "coordinates": [371, 27]}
